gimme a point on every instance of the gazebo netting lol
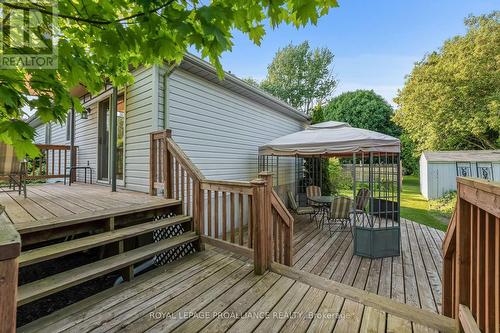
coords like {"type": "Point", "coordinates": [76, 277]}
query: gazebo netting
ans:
{"type": "Point", "coordinates": [374, 161]}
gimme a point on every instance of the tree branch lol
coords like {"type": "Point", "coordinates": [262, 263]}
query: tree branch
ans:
{"type": "Point", "coordinates": [88, 20]}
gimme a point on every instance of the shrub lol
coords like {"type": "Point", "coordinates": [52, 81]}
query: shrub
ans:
{"type": "Point", "coordinates": [340, 179]}
{"type": "Point", "coordinates": [444, 205]}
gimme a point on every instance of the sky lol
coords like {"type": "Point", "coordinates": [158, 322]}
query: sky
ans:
{"type": "Point", "coordinates": [375, 43]}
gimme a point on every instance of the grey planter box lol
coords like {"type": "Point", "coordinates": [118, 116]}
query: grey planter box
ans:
{"type": "Point", "coordinates": [377, 243]}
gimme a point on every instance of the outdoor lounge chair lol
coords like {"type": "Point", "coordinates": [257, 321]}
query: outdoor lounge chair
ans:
{"type": "Point", "coordinates": [300, 210]}
{"type": "Point", "coordinates": [313, 191]}
{"type": "Point", "coordinates": [340, 211]}
{"type": "Point", "coordinates": [12, 168]}
{"type": "Point", "coordinates": [361, 201]}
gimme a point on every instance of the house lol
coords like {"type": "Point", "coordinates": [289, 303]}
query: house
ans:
{"type": "Point", "coordinates": [439, 169]}
{"type": "Point", "coordinates": [219, 124]}
{"type": "Point", "coordinates": [212, 233]}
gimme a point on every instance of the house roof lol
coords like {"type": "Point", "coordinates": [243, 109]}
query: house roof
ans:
{"type": "Point", "coordinates": [463, 156]}
{"type": "Point", "coordinates": [205, 70]}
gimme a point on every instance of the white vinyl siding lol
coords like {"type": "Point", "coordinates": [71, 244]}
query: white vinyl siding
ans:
{"type": "Point", "coordinates": [221, 131]}
{"type": "Point", "coordinates": [40, 133]}
{"type": "Point", "coordinates": [441, 177]}
{"type": "Point", "coordinates": [138, 119]}
{"type": "Point", "coordinates": [424, 177]}
{"type": "Point", "coordinates": [85, 140]}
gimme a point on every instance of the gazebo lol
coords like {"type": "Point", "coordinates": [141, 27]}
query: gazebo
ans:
{"type": "Point", "coordinates": [374, 161]}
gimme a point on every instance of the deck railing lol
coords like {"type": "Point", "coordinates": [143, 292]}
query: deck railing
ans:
{"type": "Point", "coordinates": [10, 249]}
{"type": "Point", "coordinates": [471, 249]}
{"type": "Point", "coordinates": [245, 217]}
{"type": "Point", "coordinates": [282, 226]}
{"type": "Point", "coordinates": [52, 162]}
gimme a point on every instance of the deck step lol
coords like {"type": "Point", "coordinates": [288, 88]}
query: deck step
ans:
{"type": "Point", "coordinates": [81, 244]}
{"type": "Point", "coordinates": [64, 221]}
{"type": "Point", "coordinates": [32, 291]}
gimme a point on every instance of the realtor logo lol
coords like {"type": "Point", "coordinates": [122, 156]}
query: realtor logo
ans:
{"type": "Point", "coordinates": [28, 34]}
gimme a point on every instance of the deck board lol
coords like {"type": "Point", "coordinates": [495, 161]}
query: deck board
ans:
{"type": "Point", "coordinates": [49, 201]}
{"type": "Point", "coordinates": [413, 278]}
{"type": "Point", "coordinates": [229, 297]}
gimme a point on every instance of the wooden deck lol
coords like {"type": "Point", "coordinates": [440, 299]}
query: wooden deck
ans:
{"type": "Point", "coordinates": [217, 291]}
{"type": "Point", "coordinates": [413, 278]}
{"type": "Point", "coordinates": [213, 291]}
{"type": "Point", "coordinates": [50, 201]}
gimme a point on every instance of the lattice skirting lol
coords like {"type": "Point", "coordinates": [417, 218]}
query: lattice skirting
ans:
{"type": "Point", "coordinates": [169, 232]}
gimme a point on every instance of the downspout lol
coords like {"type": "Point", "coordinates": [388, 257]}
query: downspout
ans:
{"type": "Point", "coordinates": [155, 91]}
{"type": "Point", "coordinates": [169, 71]}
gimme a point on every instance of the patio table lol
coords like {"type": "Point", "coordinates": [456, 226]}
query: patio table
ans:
{"type": "Point", "coordinates": [324, 202]}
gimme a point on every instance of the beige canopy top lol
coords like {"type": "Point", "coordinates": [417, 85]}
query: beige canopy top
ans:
{"type": "Point", "coordinates": [331, 138]}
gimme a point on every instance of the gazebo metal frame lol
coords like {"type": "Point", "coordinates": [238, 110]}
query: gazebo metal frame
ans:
{"type": "Point", "coordinates": [380, 172]}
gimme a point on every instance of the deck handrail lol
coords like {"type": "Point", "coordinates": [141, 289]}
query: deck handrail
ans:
{"type": "Point", "coordinates": [222, 210]}
{"type": "Point", "coordinates": [10, 249]}
{"type": "Point", "coordinates": [282, 231]}
{"type": "Point", "coordinates": [52, 161]}
{"type": "Point", "coordinates": [471, 251]}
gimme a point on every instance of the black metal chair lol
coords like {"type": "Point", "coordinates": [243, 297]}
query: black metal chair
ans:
{"type": "Point", "coordinates": [300, 210]}
{"type": "Point", "coordinates": [361, 201]}
{"type": "Point", "coordinates": [340, 211]}
{"type": "Point", "coordinates": [12, 168]}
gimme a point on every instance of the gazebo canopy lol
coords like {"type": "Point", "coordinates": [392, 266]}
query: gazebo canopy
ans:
{"type": "Point", "coordinates": [331, 138]}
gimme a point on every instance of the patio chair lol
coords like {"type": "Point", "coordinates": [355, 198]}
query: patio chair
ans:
{"type": "Point", "coordinates": [340, 211]}
{"type": "Point", "coordinates": [12, 168]}
{"type": "Point", "coordinates": [314, 191]}
{"type": "Point", "coordinates": [361, 201]}
{"type": "Point", "coordinates": [300, 210]}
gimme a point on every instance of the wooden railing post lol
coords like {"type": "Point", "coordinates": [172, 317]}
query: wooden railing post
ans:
{"type": "Point", "coordinates": [462, 259]}
{"type": "Point", "coordinates": [10, 248]}
{"type": "Point", "coordinates": [261, 220]}
{"type": "Point", "coordinates": [268, 178]}
{"type": "Point", "coordinates": [153, 155]}
{"type": "Point", "coordinates": [168, 167]}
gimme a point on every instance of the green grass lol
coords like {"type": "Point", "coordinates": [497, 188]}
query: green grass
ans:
{"type": "Point", "coordinates": [416, 208]}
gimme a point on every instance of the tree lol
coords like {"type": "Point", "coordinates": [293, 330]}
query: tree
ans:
{"type": "Point", "coordinates": [366, 109]}
{"type": "Point", "coordinates": [251, 81]}
{"type": "Point", "coordinates": [99, 41]}
{"type": "Point", "coordinates": [362, 109]}
{"type": "Point", "coordinates": [451, 99]}
{"type": "Point", "coordinates": [409, 155]}
{"type": "Point", "coordinates": [300, 76]}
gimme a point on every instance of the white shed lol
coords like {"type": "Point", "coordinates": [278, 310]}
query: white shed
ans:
{"type": "Point", "coordinates": [439, 169]}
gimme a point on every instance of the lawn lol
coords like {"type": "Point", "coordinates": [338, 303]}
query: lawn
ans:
{"type": "Point", "coordinates": [416, 208]}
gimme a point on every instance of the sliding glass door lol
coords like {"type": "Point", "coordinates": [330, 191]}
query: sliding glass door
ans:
{"type": "Point", "coordinates": [104, 140]}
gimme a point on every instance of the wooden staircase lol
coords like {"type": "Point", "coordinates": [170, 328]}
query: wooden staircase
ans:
{"type": "Point", "coordinates": [124, 239]}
